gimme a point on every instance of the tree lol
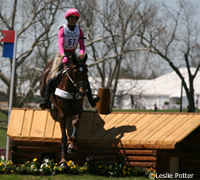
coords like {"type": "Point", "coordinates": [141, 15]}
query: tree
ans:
{"type": "Point", "coordinates": [109, 37]}
{"type": "Point", "coordinates": [174, 36]}
{"type": "Point", "coordinates": [34, 21]}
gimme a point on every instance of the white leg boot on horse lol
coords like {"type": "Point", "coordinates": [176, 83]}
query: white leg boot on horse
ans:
{"type": "Point", "coordinates": [72, 148]}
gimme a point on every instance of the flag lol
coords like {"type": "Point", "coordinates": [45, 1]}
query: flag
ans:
{"type": "Point", "coordinates": [8, 47]}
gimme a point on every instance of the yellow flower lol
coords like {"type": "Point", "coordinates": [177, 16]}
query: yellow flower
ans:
{"type": "Point", "coordinates": [3, 169]}
{"type": "Point", "coordinates": [54, 167]}
{"type": "Point", "coordinates": [99, 167]}
{"type": "Point", "coordinates": [49, 167]}
{"type": "Point", "coordinates": [128, 173]}
{"type": "Point", "coordinates": [86, 163]}
{"type": "Point", "coordinates": [71, 167]}
{"type": "Point", "coordinates": [124, 172]}
{"type": "Point", "coordinates": [60, 169]}
{"type": "Point", "coordinates": [12, 171]}
{"type": "Point", "coordinates": [70, 161]}
{"type": "Point", "coordinates": [23, 165]}
{"type": "Point", "coordinates": [1, 164]}
{"type": "Point", "coordinates": [34, 160]}
{"type": "Point", "coordinates": [74, 166]}
{"type": "Point", "coordinates": [8, 163]}
{"type": "Point", "coordinates": [28, 161]}
{"type": "Point", "coordinates": [124, 167]}
{"type": "Point", "coordinates": [56, 164]}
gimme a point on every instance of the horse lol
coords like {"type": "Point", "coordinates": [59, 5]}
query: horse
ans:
{"type": "Point", "coordinates": [67, 98]}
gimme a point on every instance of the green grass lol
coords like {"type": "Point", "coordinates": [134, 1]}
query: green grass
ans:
{"type": "Point", "coordinates": [150, 110]}
{"type": "Point", "coordinates": [67, 177]}
{"type": "Point", "coordinates": [3, 135]}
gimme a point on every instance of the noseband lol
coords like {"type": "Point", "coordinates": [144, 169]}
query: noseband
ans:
{"type": "Point", "coordinates": [77, 85]}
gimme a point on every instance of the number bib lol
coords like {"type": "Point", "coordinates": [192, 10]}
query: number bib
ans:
{"type": "Point", "coordinates": [71, 37]}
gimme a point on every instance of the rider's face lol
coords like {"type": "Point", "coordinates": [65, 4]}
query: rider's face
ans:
{"type": "Point", "coordinates": [72, 20]}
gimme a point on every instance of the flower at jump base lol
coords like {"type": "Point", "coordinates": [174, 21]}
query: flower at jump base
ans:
{"type": "Point", "coordinates": [35, 159]}
{"type": "Point", "coordinates": [2, 157]}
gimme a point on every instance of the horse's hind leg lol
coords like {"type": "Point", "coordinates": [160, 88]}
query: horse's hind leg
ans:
{"type": "Point", "coordinates": [72, 148]}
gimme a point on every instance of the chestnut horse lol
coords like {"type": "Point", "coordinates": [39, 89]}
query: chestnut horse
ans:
{"type": "Point", "coordinates": [67, 99]}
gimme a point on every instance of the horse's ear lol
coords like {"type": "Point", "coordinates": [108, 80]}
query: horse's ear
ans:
{"type": "Point", "coordinates": [85, 58]}
{"type": "Point", "coordinates": [74, 60]}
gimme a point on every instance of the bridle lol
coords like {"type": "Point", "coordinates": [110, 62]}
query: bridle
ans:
{"type": "Point", "coordinates": [77, 85]}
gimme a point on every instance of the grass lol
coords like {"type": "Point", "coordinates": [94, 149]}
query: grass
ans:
{"type": "Point", "coordinates": [67, 177]}
{"type": "Point", "coordinates": [3, 135]}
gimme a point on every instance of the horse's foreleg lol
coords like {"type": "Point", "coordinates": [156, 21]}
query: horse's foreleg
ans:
{"type": "Point", "coordinates": [75, 123]}
{"type": "Point", "coordinates": [72, 147]}
{"type": "Point", "coordinates": [63, 142]}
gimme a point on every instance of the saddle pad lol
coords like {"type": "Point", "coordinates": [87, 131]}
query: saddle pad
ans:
{"type": "Point", "coordinates": [66, 95]}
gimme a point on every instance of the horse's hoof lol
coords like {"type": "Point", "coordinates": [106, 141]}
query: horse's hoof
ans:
{"type": "Point", "coordinates": [62, 165]}
{"type": "Point", "coordinates": [72, 149]}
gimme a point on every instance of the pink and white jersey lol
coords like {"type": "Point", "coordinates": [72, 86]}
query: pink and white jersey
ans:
{"type": "Point", "coordinates": [71, 38]}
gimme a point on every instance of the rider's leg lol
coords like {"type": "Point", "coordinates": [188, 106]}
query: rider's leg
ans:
{"type": "Point", "coordinates": [47, 93]}
{"type": "Point", "coordinates": [91, 100]}
{"type": "Point", "coordinates": [49, 87]}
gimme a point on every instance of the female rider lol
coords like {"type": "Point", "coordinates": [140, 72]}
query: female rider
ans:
{"type": "Point", "coordinates": [69, 36]}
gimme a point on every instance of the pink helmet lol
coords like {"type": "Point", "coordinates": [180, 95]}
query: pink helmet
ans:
{"type": "Point", "coordinates": [72, 12]}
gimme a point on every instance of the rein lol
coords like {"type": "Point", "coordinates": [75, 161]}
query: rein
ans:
{"type": "Point", "coordinates": [76, 85]}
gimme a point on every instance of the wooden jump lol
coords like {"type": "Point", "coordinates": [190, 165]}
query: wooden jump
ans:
{"type": "Point", "coordinates": [134, 139]}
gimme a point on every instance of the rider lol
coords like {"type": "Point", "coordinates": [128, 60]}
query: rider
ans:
{"type": "Point", "coordinates": [69, 36]}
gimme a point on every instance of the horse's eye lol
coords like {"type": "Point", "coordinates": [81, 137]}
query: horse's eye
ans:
{"type": "Point", "coordinates": [81, 69]}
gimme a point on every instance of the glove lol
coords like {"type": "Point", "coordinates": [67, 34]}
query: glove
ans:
{"type": "Point", "coordinates": [81, 56]}
{"type": "Point", "coordinates": [65, 60]}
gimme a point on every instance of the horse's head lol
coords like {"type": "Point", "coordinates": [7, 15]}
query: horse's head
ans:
{"type": "Point", "coordinates": [79, 73]}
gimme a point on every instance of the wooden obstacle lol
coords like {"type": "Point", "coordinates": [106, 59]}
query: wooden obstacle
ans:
{"type": "Point", "coordinates": [168, 142]}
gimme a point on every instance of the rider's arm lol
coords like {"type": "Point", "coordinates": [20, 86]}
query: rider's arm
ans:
{"type": "Point", "coordinates": [81, 43]}
{"type": "Point", "coordinates": [61, 41]}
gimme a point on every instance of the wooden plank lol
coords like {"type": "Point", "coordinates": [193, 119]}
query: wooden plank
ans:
{"type": "Point", "coordinates": [101, 127]}
{"type": "Point", "coordinates": [85, 126]}
{"type": "Point", "coordinates": [161, 131]}
{"type": "Point", "coordinates": [170, 127]}
{"type": "Point", "coordinates": [111, 134]}
{"type": "Point", "coordinates": [140, 158]}
{"type": "Point", "coordinates": [38, 125]}
{"type": "Point", "coordinates": [137, 152]}
{"type": "Point", "coordinates": [140, 164]}
{"type": "Point", "coordinates": [176, 130]}
{"type": "Point", "coordinates": [154, 127]}
{"type": "Point", "coordinates": [98, 122]}
{"type": "Point", "coordinates": [187, 128]}
{"type": "Point", "coordinates": [50, 127]}
{"type": "Point", "coordinates": [140, 126]}
{"type": "Point", "coordinates": [27, 124]}
{"type": "Point", "coordinates": [15, 124]}
{"type": "Point", "coordinates": [57, 132]}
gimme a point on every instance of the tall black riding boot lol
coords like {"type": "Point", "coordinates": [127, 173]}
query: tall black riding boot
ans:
{"type": "Point", "coordinates": [47, 94]}
{"type": "Point", "coordinates": [91, 100]}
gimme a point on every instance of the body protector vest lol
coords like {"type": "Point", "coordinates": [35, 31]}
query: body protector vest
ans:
{"type": "Point", "coordinates": [71, 37]}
